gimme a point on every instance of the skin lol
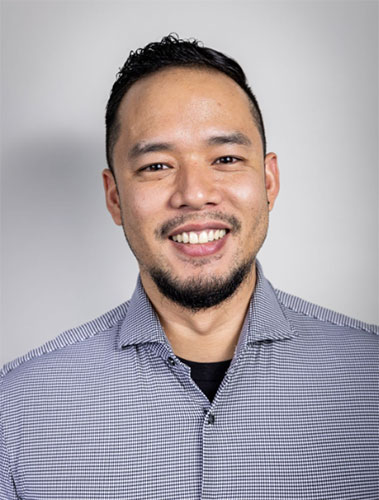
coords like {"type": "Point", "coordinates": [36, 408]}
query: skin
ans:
{"type": "Point", "coordinates": [185, 107]}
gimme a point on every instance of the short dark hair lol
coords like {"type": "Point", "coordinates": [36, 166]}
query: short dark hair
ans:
{"type": "Point", "coordinates": [171, 51]}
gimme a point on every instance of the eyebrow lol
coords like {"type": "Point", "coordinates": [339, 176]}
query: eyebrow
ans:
{"type": "Point", "coordinates": [143, 147]}
{"type": "Point", "coordinates": [234, 138]}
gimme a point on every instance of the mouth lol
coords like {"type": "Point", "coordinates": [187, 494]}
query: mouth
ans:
{"type": "Point", "coordinates": [199, 237]}
{"type": "Point", "coordinates": [198, 241]}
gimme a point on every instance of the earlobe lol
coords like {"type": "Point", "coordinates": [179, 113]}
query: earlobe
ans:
{"type": "Point", "coordinates": [112, 198]}
{"type": "Point", "coordinates": [271, 179]}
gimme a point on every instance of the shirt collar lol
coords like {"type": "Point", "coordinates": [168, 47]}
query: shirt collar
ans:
{"type": "Point", "coordinates": [141, 323]}
{"type": "Point", "coordinates": [265, 318]}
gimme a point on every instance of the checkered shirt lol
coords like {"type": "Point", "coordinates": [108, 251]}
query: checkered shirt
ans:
{"type": "Point", "coordinates": [107, 411]}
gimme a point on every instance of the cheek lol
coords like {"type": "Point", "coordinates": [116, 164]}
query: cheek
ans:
{"type": "Point", "coordinates": [140, 209]}
{"type": "Point", "coordinates": [247, 193]}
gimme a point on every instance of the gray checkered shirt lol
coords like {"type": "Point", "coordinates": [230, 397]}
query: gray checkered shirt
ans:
{"type": "Point", "coordinates": [107, 411]}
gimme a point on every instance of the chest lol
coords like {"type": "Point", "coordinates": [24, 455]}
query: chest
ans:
{"type": "Point", "coordinates": [279, 427]}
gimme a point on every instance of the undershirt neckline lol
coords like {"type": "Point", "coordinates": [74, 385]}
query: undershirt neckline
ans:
{"type": "Point", "coordinates": [214, 363]}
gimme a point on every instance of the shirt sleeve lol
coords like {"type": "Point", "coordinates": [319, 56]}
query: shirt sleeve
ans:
{"type": "Point", "coordinates": [7, 487]}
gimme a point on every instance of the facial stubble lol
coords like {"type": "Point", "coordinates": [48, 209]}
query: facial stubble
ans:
{"type": "Point", "coordinates": [201, 293]}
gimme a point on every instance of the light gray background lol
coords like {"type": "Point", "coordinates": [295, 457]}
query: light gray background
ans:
{"type": "Point", "coordinates": [314, 69]}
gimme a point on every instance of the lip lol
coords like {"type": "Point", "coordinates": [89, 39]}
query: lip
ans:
{"type": "Point", "coordinates": [200, 249]}
{"type": "Point", "coordinates": [201, 226]}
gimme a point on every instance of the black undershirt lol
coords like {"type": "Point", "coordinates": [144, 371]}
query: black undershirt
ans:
{"type": "Point", "coordinates": [208, 376]}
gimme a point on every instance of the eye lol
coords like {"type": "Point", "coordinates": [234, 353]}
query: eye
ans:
{"type": "Point", "coordinates": [227, 159]}
{"type": "Point", "coordinates": [154, 167]}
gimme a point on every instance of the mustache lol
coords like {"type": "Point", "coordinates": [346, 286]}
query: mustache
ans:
{"type": "Point", "coordinates": [165, 229]}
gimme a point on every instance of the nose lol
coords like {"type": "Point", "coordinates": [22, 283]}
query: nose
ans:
{"type": "Point", "coordinates": [195, 188]}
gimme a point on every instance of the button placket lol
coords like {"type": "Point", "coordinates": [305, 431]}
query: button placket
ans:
{"type": "Point", "coordinates": [171, 361]}
{"type": "Point", "coordinates": [211, 419]}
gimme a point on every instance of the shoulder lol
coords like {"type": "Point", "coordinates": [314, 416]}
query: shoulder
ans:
{"type": "Point", "coordinates": [74, 337]}
{"type": "Point", "coordinates": [305, 312]}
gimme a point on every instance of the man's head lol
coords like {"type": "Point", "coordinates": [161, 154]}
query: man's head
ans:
{"type": "Point", "coordinates": [171, 52]}
{"type": "Point", "coordinates": [188, 162]}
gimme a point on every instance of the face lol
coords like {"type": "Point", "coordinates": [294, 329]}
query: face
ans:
{"type": "Point", "coordinates": [192, 186]}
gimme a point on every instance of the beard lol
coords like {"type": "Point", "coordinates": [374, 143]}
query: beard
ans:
{"type": "Point", "coordinates": [198, 293]}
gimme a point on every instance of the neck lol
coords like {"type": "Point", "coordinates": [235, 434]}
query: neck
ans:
{"type": "Point", "coordinates": [208, 335]}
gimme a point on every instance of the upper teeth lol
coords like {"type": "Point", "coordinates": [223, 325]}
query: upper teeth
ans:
{"type": "Point", "coordinates": [201, 237]}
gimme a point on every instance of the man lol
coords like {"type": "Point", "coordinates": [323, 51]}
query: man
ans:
{"type": "Point", "coordinates": [208, 383]}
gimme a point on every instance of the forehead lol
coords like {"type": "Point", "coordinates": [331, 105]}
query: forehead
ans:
{"type": "Point", "coordinates": [185, 98]}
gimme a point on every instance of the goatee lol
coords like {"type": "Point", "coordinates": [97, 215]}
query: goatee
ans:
{"type": "Point", "coordinates": [197, 294]}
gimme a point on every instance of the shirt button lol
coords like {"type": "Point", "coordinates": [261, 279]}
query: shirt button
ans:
{"type": "Point", "coordinates": [171, 360]}
{"type": "Point", "coordinates": [211, 419]}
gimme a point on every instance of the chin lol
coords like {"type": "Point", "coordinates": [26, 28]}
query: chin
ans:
{"type": "Point", "coordinates": [202, 290]}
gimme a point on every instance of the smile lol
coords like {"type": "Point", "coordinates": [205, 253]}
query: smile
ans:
{"type": "Point", "coordinates": [199, 237]}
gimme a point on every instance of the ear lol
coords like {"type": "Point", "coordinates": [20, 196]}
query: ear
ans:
{"type": "Point", "coordinates": [112, 198]}
{"type": "Point", "coordinates": [271, 178]}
